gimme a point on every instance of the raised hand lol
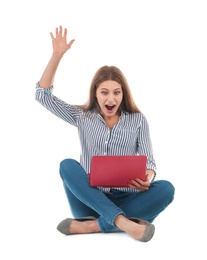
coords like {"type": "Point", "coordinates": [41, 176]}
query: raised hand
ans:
{"type": "Point", "coordinates": [60, 46]}
{"type": "Point", "coordinates": [59, 41]}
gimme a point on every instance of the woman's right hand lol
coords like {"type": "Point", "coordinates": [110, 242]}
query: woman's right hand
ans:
{"type": "Point", "coordinates": [60, 46]}
{"type": "Point", "coordinates": [59, 41]}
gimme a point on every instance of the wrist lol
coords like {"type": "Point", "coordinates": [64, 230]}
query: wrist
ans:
{"type": "Point", "coordinates": [150, 174]}
{"type": "Point", "coordinates": [57, 56]}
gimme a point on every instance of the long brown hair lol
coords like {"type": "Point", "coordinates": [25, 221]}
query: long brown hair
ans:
{"type": "Point", "coordinates": [110, 73]}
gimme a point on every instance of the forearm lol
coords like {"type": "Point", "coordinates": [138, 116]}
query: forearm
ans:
{"type": "Point", "coordinates": [47, 78]}
{"type": "Point", "coordinates": [151, 174]}
{"type": "Point", "coordinates": [60, 47]}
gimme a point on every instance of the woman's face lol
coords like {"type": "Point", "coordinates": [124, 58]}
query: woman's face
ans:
{"type": "Point", "coordinates": [109, 95]}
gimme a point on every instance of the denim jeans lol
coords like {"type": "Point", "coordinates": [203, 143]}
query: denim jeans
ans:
{"type": "Point", "coordinates": [85, 200]}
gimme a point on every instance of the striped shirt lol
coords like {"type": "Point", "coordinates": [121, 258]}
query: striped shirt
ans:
{"type": "Point", "coordinates": [130, 136]}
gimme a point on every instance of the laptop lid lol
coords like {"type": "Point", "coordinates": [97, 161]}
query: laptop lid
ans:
{"type": "Point", "coordinates": [116, 171]}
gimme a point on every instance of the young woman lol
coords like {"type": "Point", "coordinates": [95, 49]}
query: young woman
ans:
{"type": "Point", "coordinates": [108, 124]}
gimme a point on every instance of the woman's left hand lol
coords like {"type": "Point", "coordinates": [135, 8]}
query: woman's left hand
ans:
{"type": "Point", "coordinates": [138, 184]}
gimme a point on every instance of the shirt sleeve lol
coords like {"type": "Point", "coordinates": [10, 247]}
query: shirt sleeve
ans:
{"type": "Point", "coordinates": [145, 145]}
{"type": "Point", "coordinates": [67, 112]}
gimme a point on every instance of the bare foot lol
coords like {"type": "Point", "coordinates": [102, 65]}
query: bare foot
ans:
{"type": "Point", "coordinates": [84, 227]}
{"type": "Point", "coordinates": [130, 227]}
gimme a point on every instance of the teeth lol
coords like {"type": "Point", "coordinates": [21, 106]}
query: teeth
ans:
{"type": "Point", "coordinates": [110, 107]}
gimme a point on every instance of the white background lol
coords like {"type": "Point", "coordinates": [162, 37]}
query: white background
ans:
{"type": "Point", "coordinates": [161, 46]}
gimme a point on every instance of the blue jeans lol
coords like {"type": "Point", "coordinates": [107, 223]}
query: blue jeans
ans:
{"type": "Point", "coordinates": [85, 200]}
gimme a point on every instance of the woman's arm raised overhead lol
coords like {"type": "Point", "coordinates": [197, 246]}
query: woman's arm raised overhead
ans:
{"type": "Point", "coordinates": [60, 47]}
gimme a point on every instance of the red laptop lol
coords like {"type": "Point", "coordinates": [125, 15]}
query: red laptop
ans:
{"type": "Point", "coordinates": [116, 171]}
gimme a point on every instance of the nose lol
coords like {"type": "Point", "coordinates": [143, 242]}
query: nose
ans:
{"type": "Point", "coordinates": [110, 97]}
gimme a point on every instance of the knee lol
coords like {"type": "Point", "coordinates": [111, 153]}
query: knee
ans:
{"type": "Point", "coordinates": [66, 165]}
{"type": "Point", "coordinates": [169, 189]}
{"type": "Point", "coordinates": [165, 188]}
{"type": "Point", "coordinates": [67, 162]}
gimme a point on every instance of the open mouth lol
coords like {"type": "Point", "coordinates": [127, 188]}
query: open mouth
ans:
{"type": "Point", "coordinates": [110, 108]}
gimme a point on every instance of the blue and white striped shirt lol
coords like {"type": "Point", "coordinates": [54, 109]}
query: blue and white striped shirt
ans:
{"type": "Point", "coordinates": [130, 136]}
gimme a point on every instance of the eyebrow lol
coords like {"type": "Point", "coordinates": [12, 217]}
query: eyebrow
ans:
{"type": "Point", "coordinates": [103, 88]}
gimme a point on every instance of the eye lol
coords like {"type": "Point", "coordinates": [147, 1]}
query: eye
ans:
{"type": "Point", "coordinates": [104, 93]}
{"type": "Point", "coordinates": [117, 92]}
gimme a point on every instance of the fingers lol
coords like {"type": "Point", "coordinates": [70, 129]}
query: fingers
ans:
{"type": "Point", "coordinates": [52, 36]}
{"type": "Point", "coordinates": [65, 32]}
{"type": "Point", "coordinates": [59, 40]}
{"type": "Point", "coordinates": [59, 31]}
{"type": "Point", "coordinates": [70, 43]}
{"type": "Point", "coordinates": [135, 184]}
{"type": "Point", "coordinates": [139, 184]}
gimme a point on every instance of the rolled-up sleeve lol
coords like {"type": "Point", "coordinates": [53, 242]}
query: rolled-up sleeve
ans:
{"type": "Point", "coordinates": [145, 145]}
{"type": "Point", "coordinates": [61, 109]}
